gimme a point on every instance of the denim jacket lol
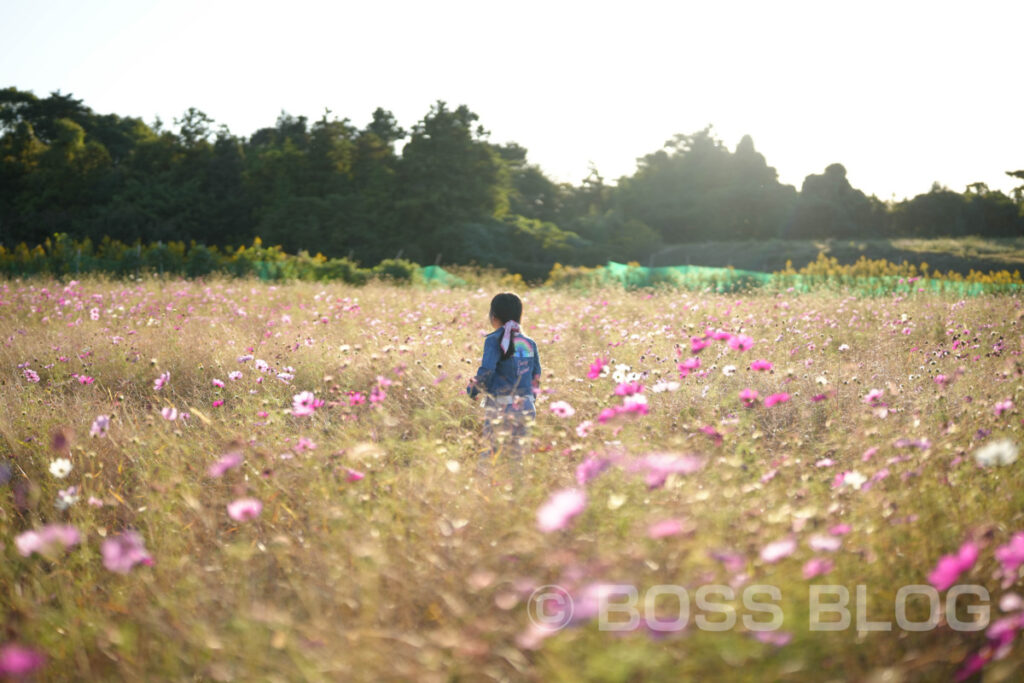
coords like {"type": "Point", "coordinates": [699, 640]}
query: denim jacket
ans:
{"type": "Point", "coordinates": [499, 377]}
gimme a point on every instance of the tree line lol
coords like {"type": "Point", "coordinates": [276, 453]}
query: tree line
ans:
{"type": "Point", "coordinates": [438, 192]}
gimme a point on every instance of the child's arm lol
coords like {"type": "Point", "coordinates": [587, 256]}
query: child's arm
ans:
{"type": "Point", "coordinates": [486, 369]}
{"type": "Point", "coordinates": [536, 368]}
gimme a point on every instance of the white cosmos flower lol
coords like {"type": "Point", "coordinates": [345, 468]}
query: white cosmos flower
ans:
{"type": "Point", "coordinates": [60, 468]}
{"type": "Point", "coordinates": [1000, 452]}
{"type": "Point", "coordinates": [729, 370]}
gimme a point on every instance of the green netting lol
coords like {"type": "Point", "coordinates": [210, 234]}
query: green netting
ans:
{"type": "Point", "coordinates": [724, 280]}
{"type": "Point", "coordinates": [438, 275]}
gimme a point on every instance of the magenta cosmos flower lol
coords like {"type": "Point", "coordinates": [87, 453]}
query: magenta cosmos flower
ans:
{"type": "Point", "coordinates": [749, 397]}
{"type": "Point", "coordinates": [596, 367]}
{"type": "Point", "coordinates": [772, 399]}
{"type": "Point", "coordinates": [244, 509]}
{"type": "Point", "coordinates": [560, 509]}
{"type": "Point", "coordinates": [950, 567]}
{"type": "Point", "coordinates": [124, 551]}
{"type": "Point", "coordinates": [17, 661]}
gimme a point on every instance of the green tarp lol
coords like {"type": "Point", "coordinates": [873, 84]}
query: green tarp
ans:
{"type": "Point", "coordinates": [438, 275]}
{"type": "Point", "coordinates": [732, 280]}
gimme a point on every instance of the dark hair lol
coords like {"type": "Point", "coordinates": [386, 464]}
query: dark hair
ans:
{"type": "Point", "coordinates": [507, 306]}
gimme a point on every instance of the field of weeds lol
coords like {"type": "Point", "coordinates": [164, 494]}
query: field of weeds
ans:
{"type": "Point", "coordinates": [229, 480]}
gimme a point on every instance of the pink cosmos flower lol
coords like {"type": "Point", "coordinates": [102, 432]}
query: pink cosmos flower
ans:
{"type": "Point", "coordinates": [353, 475]}
{"type": "Point", "coordinates": [637, 403]}
{"type": "Point", "coordinates": [749, 397]}
{"type": "Point", "coordinates": [732, 561]}
{"type": "Point", "coordinates": [169, 413]}
{"type": "Point", "coordinates": [30, 375]}
{"type": "Point", "coordinates": [596, 367]}
{"type": "Point", "coordinates": [773, 552]}
{"type": "Point", "coordinates": [816, 566]}
{"type": "Point", "coordinates": [244, 509]}
{"type": "Point", "coordinates": [557, 512]}
{"type": "Point", "coordinates": [658, 466]}
{"type": "Point", "coordinates": [355, 398]}
{"type": "Point", "coordinates": [664, 528]}
{"type": "Point", "coordinates": [873, 396]}
{"type": "Point", "coordinates": [562, 409]}
{"type": "Point", "coordinates": [305, 403]}
{"type": "Point", "coordinates": [584, 428]}
{"type": "Point", "coordinates": [18, 662]}
{"type": "Point", "coordinates": [776, 638]}
{"type": "Point", "coordinates": [688, 366]}
{"type": "Point", "coordinates": [304, 444]}
{"type": "Point", "coordinates": [772, 399]}
{"type": "Point", "coordinates": [100, 425]}
{"type": "Point", "coordinates": [124, 551]}
{"type": "Point", "coordinates": [217, 403]}
{"type": "Point", "coordinates": [950, 567]}
{"type": "Point", "coordinates": [234, 375]}
{"type": "Point", "coordinates": [740, 342]}
{"type": "Point", "coordinates": [47, 539]}
{"type": "Point", "coordinates": [629, 388]}
{"type": "Point", "coordinates": [377, 394]}
{"type": "Point", "coordinates": [823, 543]}
{"type": "Point", "coordinates": [226, 462]}
{"type": "Point", "coordinates": [590, 468]}
{"type": "Point", "coordinates": [1011, 555]}
{"type": "Point", "coordinates": [84, 379]}
{"type": "Point", "coordinates": [942, 380]}
{"type": "Point", "coordinates": [761, 365]}
{"type": "Point", "coordinates": [719, 335]}
{"type": "Point", "coordinates": [1002, 407]}
{"type": "Point", "coordinates": [840, 529]}
{"type": "Point", "coordinates": [161, 381]}
{"type": "Point", "coordinates": [218, 383]}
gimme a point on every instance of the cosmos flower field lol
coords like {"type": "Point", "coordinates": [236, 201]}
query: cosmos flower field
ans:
{"type": "Point", "coordinates": [230, 480]}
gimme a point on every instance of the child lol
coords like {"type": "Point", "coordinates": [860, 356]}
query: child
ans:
{"type": "Point", "coordinates": [508, 375]}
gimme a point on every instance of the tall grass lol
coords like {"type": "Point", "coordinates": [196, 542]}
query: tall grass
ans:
{"type": "Point", "coordinates": [423, 568]}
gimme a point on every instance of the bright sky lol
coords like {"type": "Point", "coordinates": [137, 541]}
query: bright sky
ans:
{"type": "Point", "coordinates": [901, 93]}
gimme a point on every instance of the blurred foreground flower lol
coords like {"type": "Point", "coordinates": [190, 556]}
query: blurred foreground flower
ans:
{"type": "Point", "coordinates": [124, 551]}
{"type": "Point", "coordinates": [773, 552]}
{"type": "Point", "coordinates": [950, 567]}
{"type": "Point", "coordinates": [244, 509]}
{"type": "Point", "coordinates": [560, 509]}
{"type": "Point", "coordinates": [46, 539]}
{"type": "Point", "coordinates": [18, 661]}
{"type": "Point", "coordinates": [226, 462]}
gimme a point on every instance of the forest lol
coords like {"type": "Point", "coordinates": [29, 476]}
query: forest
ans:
{"type": "Point", "coordinates": [439, 192]}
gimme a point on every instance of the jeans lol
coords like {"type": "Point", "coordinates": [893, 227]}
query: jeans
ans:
{"type": "Point", "coordinates": [506, 426]}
